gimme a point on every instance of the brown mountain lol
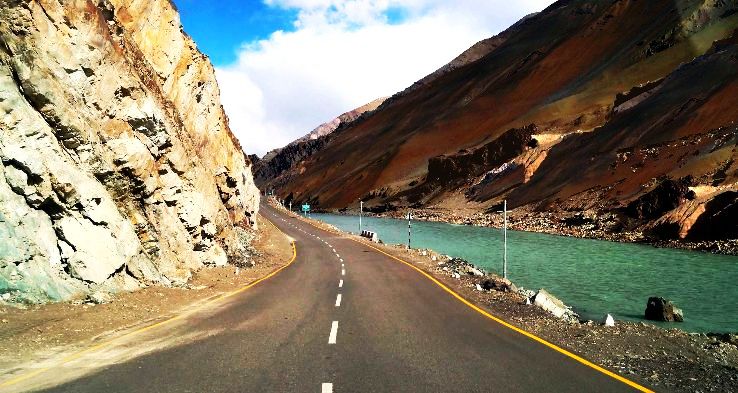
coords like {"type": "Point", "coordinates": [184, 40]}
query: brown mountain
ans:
{"type": "Point", "coordinates": [619, 106]}
{"type": "Point", "coordinates": [267, 170]}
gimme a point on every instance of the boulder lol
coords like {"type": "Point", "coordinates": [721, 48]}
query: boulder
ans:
{"type": "Point", "coordinates": [473, 271]}
{"type": "Point", "coordinates": [499, 284]}
{"type": "Point", "coordinates": [99, 297]}
{"type": "Point", "coordinates": [660, 309]}
{"type": "Point", "coordinates": [549, 303]}
{"type": "Point", "coordinates": [609, 321]}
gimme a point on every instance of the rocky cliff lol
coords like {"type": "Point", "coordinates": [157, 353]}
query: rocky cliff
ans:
{"type": "Point", "coordinates": [587, 106]}
{"type": "Point", "coordinates": [118, 166]}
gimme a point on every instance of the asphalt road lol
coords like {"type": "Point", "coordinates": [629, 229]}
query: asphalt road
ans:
{"type": "Point", "coordinates": [392, 330]}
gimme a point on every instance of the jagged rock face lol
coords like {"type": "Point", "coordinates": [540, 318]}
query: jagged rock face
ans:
{"type": "Point", "coordinates": [118, 166]}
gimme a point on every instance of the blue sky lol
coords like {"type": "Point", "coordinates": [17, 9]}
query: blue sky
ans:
{"type": "Point", "coordinates": [286, 66]}
{"type": "Point", "coordinates": [220, 27]}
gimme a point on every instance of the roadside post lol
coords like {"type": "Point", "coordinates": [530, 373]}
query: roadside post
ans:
{"type": "Point", "coordinates": [409, 226]}
{"type": "Point", "coordinates": [361, 212]}
{"type": "Point", "coordinates": [290, 206]}
{"type": "Point", "coordinates": [504, 232]}
{"type": "Point", "coordinates": [504, 259]}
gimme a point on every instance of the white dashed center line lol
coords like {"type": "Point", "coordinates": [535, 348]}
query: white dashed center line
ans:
{"type": "Point", "coordinates": [334, 332]}
{"type": "Point", "coordinates": [343, 272]}
{"type": "Point", "coordinates": [340, 284]}
{"type": "Point", "coordinates": [326, 388]}
{"type": "Point", "coordinates": [338, 300]}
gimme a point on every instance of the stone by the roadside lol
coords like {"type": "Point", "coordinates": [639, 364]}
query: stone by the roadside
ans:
{"type": "Point", "coordinates": [549, 303]}
{"type": "Point", "coordinates": [660, 309]}
{"type": "Point", "coordinates": [527, 293]}
{"type": "Point", "coordinates": [100, 297]}
{"type": "Point", "coordinates": [472, 271]}
{"type": "Point", "coordinates": [609, 321]}
{"type": "Point", "coordinates": [499, 284]}
{"type": "Point", "coordinates": [728, 338]}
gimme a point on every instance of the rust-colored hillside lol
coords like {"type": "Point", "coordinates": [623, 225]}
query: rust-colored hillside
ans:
{"type": "Point", "coordinates": [612, 106]}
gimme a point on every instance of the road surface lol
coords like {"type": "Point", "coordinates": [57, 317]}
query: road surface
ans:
{"type": "Point", "coordinates": [345, 318]}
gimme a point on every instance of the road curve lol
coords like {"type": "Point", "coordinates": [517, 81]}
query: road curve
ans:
{"type": "Point", "coordinates": [345, 318]}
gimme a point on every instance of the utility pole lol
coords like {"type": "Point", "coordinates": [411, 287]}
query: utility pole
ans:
{"type": "Point", "coordinates": [361, 212]}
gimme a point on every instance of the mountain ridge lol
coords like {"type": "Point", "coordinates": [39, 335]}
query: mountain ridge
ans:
{"type": "Point", "coordinates": [562, 71]}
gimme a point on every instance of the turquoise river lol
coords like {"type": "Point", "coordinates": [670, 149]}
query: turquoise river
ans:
{"type": "Point", "coordinates": [594, 277]}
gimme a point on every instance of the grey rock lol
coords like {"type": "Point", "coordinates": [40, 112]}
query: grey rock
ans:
{"type": "Point", "coordinates": [99, 297]}
{"type": "Point", "coordinates": [549, 303]}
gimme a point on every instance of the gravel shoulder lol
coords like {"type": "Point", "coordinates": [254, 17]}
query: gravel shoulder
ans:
{"type": "Point", "coordinates": [665, 359]}
{"type": "Point", "coordinates": [40, 331]}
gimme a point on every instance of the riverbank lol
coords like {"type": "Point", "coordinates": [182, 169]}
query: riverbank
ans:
{"type": "Point", "coordinates": [41, 331]}
{"type": "Point", "coordinates": [666, 359]}
{"type": "Point", "coordinates": [586, 225]}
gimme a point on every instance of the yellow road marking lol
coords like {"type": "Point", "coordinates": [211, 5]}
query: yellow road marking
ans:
{"type": "Point", "coordinates": [79, 354]}
{"type": "Point", "coordinates": [504, 323]}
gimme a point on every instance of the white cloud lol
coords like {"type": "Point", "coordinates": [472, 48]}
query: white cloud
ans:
{"type": "Point", "coordinates": [344, 54]}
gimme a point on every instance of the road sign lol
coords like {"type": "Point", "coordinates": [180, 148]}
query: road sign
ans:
{"type": "Point", "coordinates": [306, 208]}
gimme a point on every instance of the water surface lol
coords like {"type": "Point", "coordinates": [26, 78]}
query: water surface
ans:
{"type": "Point", "coordinates": [595, 277]}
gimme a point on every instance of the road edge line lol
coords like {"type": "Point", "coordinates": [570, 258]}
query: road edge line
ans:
{"type": "Point", "coordinates": [504, 323]}
{"type": "Point", "coordinates": [104, 344]}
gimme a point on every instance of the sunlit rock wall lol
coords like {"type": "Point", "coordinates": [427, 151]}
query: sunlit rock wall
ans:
{"type": "Point", "coordinates": [118, 166]}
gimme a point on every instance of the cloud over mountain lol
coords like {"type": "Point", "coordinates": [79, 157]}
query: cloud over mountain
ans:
{"type": "Point", "coordinates": [342, 54]}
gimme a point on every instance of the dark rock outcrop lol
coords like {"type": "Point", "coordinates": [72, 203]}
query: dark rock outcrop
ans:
{"type": "Point", "coordinates": [720, 219]}
{"type": "Point", "coordinates": [666, 196]}
{"type": "Point", "coordinates": [498, 284]}
{"type": "Point", "coordinates": [466, 165]}
{"type": "Point", "coordinates": [660, 309]}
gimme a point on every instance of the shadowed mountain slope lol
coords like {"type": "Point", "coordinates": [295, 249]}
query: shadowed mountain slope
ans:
{"type": "Point", "coordinates": [586, 105]}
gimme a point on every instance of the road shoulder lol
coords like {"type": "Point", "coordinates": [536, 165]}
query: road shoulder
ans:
{"type": "Point", "coordinates": [50, 330]}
